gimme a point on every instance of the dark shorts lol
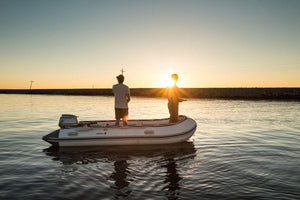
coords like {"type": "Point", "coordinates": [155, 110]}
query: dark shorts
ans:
{"type": "Point", "coordinates": [121, 112]}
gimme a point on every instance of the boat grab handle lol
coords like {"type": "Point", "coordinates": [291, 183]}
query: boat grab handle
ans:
{"type": "Point", "coordinates": [149, 132]}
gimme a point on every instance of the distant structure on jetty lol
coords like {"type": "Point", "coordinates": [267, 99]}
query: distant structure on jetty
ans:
{"type": "Point", "coordinates": [209, 93]}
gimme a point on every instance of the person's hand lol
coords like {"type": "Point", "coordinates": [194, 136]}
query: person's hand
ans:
{"type": "Point", "coordinates": [181, 100]}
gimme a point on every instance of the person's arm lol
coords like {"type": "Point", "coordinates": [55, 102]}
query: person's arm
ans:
{"type": "Point", "coordinates": [178, 95]}
{"type": "Point", "coordinates": [128, 97]}
{"type": "Point", "coordinates": [128, 94]}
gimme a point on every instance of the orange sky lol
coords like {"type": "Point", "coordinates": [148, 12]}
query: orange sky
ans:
{"type": "Point", "coordinates": [85, 44]}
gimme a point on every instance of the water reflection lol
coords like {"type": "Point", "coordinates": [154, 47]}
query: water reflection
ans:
{"type": "Point", "coordinates": [120, 174]}
{"type": "Point", "coordinates": [172, 179]}
{"type": "Point", "coordinates": [123, 164]}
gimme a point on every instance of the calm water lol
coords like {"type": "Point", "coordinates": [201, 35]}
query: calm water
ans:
{"type": "Point", "coordinates": [241, 150]}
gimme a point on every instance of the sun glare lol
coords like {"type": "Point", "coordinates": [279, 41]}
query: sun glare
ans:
{"type": "Point", "coordinates": [166, 82]}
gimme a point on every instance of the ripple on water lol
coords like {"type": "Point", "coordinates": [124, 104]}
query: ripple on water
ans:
{"type": "Point", "coordinates": [241, 150]}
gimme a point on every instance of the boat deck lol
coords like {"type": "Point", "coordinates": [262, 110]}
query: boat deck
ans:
{"type": "Point", "coordinates": [131, 123]}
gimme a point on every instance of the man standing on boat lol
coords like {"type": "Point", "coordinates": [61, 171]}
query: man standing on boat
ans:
{"type": "Point", "coordinates": [122, 97]}
{"type": "Point", "coordinates": [173, 95]}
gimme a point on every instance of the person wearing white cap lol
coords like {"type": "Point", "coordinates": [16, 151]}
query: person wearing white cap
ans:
{"type": "Point", "coordinates": [122, 97]}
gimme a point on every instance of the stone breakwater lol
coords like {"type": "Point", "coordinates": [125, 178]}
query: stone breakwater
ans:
{"type": "Point", "coordinates": [210, 93]}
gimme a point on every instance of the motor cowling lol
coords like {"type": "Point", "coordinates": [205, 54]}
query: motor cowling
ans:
{"type": "Point", "coordinates": [68, 121]}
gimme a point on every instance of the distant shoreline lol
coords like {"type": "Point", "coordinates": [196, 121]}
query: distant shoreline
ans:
{"type": "Point", "coordinates": [208, 93]}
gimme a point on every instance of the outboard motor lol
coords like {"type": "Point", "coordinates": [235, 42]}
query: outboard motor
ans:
{"type": "Point", "coordinates": [68, 121]}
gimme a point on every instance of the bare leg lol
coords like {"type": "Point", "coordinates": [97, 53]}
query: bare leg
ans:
{"type": "Point", "coordinates": [125, 120]}
{"type": "Point", "coordinates": [117, 122]}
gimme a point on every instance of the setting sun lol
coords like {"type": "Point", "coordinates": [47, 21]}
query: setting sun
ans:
{"type": "Point", "coordinates": [166, 81]}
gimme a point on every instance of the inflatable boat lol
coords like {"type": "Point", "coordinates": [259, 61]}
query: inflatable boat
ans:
{"type": "Point", "coordinates": [105, 133]}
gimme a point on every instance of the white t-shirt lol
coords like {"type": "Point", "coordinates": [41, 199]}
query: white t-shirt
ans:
{"type": "Point", "coordinates": [120, 91]}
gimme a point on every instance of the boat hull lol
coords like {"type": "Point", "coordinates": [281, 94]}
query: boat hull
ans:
{"type": "Point", "coordinates": [153, 133]}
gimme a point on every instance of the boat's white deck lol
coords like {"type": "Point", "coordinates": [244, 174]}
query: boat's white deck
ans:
{"type": "Point", "coordinates": [146, 122]}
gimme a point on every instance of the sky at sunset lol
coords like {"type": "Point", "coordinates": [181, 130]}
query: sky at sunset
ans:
{"type": "Point", "coordinates": [213, 43]}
